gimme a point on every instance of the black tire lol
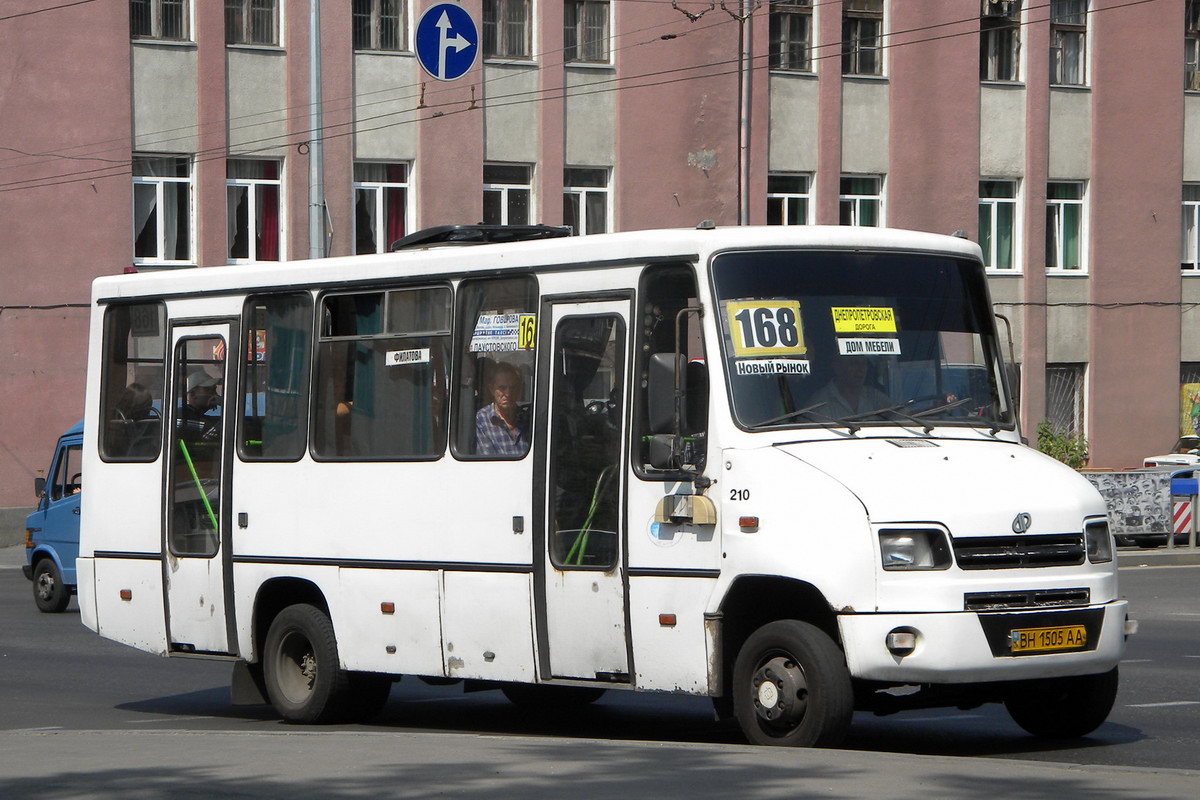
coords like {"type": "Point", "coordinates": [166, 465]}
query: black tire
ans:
{"type": "Point", "coordinates": [791, 687]}
{"type": "Point", "coordinates": [300, 667]}
{"type": "Point", "coordinates": [49, 592]}
{"type": "Point", "coordinates": [1063, 708]}
{"type": "Point", "coordinates": [548, 699]}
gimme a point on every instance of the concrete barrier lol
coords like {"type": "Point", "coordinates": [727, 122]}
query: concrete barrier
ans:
{"type": "Point", "coordinates": [12, 525]}
{"type": "Point", "coordinates": [1143, 506]}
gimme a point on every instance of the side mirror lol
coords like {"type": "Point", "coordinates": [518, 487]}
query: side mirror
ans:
{"type": "Point", "coordinates": [39, 486]}
{"type": "Point", "coordinates": [660, 393]}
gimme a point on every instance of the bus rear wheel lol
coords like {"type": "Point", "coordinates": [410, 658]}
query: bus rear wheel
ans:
{"type": "Point", "coordinates": [300, 667]}
{"type": "Point", "coordinates": [791, 687]}
{"type": "Point", "coordinates": [1063, 708]}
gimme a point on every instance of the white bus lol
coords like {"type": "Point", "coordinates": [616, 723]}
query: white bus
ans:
{"type": "Point", "coordinates": [734, 463]}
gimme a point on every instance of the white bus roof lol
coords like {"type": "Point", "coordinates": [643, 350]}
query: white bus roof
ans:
{"type": "Point", "coordinates": [630, 247]}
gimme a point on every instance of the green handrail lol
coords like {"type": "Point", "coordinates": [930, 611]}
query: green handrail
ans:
{"type": "Point", "coordinates": [187, 457]}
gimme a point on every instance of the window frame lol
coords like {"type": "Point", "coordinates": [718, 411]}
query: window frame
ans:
{"type": "Point", "coordinates": [584, 191]}
{"type": "Point", "coordinates": [244, 33]}
{"type": "Point", "coordinates": [1060, 30]}
{"type": "Point", "coordinates": [253, 186]}
{"type": "Point", "coordinates": [505, 190]}
{"type": "Point", "coordinates": [379, 191]}
{"type": "Point", "coordinates": [375, 17]}
{"type": "Point", "coordinates": [1000, 41]}
{"type": "Point", "coordinates": [1191, 46]}
{"type": "Point", "coordinates": [160, 182]}
{"type": "Point", "coordinates": [789, 198]}
{"type": "Point", "coordinates": [1190, 208]}
{"type": "Point", "coordinates": [857, 201]}
{"type": "Point", "coordinates": [244, 385]}
{"type": "Point", "coordinates": [856, 15]}
{"type": "Point", "coordinates": [496, 35]}
{"type": "Point", "coordinates": [1058, 229]}
{"type": "Point", "coordinates": [993, 203]}
{"type": "Point", "coordinates": [155, 9]}
{"type": "Point", "coordinates": [1078, 373]}
{"type": "Point", "coordinates": [790, 29]}
{"type": "Point", "coordinates": [114, 375]}
{"type": "Point", "coordinates": [576, 53]}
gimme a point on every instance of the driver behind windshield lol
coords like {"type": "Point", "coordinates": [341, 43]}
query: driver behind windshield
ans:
{"type": "Point", "coordinates": [849, 392]}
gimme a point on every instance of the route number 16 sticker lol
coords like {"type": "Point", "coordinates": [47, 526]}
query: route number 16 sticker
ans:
{"type": "Point", "coordinates": [766, 328]}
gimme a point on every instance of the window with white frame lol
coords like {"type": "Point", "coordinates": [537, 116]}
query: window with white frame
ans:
{"type": "Point", "coordinates": [162, 218]}
{"type": "Point", "coordinates": [586, 199]}
{"type": "Point", "coordinates": [1189, 254]}
{"type": "Point", "coordinates": [862, 29]}
{"type": "Point", "coordinates": [1064, 225]}
{"type": "Point", "coordinates": [1064, 398]}
{"type": "Point", "coordinates": [379, 24]}
{"type": "Point", "coordinates": [1191, 46]}
{"type": "Point", "coordinates": [585, 31]}
{"type": "Point", "coordinates": [507, 29]}
{"type": "Point", "coordinates": [380, 206]}
{"type": "Point", "coordinates": [788, 199]}
{"type": "Point", "coordinates": [791, 36]}
{"type": "Point", "coordinates": [507, 194]}
{"type": "Point", "coordinates": [252, 194]}
{"type": "Point", "coordinates": [998, 223]}
{"type": "Point", "coordinates": [252, 22]}
{"type": "Point", "coordinates": [861, 201]}
{"type": "Point", "coordinates": [1000, 40]}
{"type": "Point", "coordinates": [1068, 42]}
{"type": "Point", "coordinates": [159, 19]}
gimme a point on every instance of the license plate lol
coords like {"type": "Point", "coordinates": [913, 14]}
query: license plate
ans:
{"type": "Point", "coordinates": [1049, 640]}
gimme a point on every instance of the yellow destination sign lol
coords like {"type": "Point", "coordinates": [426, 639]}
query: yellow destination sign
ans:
{"type": "Point", "coordinates": [864, 320]}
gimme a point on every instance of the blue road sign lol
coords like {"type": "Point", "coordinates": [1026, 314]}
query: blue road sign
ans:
{"type": "Point", "coordinates": [447, 41]}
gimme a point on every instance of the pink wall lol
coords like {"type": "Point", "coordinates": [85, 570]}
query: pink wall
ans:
{"type": "Point", "coordinates": [933, 180]}
{"type": "Point", "coordinates": [1135, 229]}
{"type": "Point", "coordinates": [677, 142]}
{"type": "Point", "coordinates": [828, 64]}
{"type": "Point", "coordinates": [212, 246]}
{"type": "Point", "coordinates": [64, 89]}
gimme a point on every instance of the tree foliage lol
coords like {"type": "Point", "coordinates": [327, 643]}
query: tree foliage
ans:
{"type": "Point", "coordinates": [1071, 450]}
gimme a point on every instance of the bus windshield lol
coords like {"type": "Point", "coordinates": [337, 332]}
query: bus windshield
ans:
{"type": "Point", "coordinates": [854, 339]}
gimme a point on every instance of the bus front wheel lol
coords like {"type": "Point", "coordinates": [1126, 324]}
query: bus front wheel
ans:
{"type": "Point", "coordinates": [791, 687]}
{"type": "Point", "coordinates": [300, 667]}
{"type": "Point", "coordinates": [1063, 708]}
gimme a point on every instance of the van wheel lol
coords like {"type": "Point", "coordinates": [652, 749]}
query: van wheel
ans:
{"type": "Point", "coordinates": [51, 596]}
{"type": "Point", "coordinates": [540, 697]}
{"type": "Point", "coordinates": [791, 687]}
{"type": "Point", "coordinates": [1063, 708]}
{"type": "Point", "coordinates": [300, 667]}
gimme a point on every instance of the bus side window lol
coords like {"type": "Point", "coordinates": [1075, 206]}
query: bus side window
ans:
{"type": "Point", "coordinates": [131, 401]}
{"type": "Point", "coordinates": [381, 376]}
{"type": "Point", "coordinates": [496, 349]}
{"type": "Point", "coordinates": [664, 291]}
{"type": "Point", "coordinates": [275, 377]}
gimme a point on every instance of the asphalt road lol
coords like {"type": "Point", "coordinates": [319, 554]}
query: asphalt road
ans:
{"type": "Point", "coordinates": [84, 717]}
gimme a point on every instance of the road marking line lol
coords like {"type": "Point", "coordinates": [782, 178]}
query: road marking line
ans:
{"type": "Point", "coordinates": [1166, 705]}
{"type": "Point", "coordinates": [1137, 661]}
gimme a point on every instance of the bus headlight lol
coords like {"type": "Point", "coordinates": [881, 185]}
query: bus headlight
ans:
{"type": "Point", "coordinates": [1099, 542]}
{"type": "Point", "coordinates": [914, 549]}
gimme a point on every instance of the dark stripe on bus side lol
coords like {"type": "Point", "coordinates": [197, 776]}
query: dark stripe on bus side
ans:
{"type": "Point", "coordinates": [366, 563]}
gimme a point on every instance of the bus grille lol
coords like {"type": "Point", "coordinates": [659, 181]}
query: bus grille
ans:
{"type": "Point", "coordinates": [1015, 552]}
{"type": "Point", "coordinates": [1037, 598]}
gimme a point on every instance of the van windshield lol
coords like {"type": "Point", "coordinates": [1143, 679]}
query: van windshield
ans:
{"type": "Point", "coordinates": [853, 339]}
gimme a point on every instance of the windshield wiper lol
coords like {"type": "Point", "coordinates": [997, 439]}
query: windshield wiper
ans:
{"type": "Point", "coordinates": [810, 411]}
{"type": "Point", "coordinates": [944, 407]}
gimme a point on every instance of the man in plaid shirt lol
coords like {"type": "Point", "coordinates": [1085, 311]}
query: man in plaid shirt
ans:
{"type": "Point", "coordinates": [500, 426]}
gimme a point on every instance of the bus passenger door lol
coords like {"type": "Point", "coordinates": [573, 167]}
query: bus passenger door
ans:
{"type": "Point", "coordinates": [581, 591]}
{"type": "Point", "coordinates": [197, 569]}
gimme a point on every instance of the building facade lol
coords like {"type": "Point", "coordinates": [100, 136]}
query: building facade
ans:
{"type": "Point", "coordinates": [1063, 135]}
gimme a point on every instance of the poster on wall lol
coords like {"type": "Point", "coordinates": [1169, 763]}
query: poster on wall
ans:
{"type": "Point", "coordinates": [1189, 409]}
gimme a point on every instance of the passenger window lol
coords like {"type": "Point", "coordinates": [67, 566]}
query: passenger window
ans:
{"type": "Point", "coordinates": [275, 377]}
{"type": "Point", "coordinates": [381, 377]}
{"type": "Point", "coordinates": [131, 400]}
{"type": "Point", "coordinates": [664, 292]}
{"type": "Point", "coordinates": [497, 323]}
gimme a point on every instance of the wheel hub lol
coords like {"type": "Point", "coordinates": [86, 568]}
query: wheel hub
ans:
{"type": "Point", "coordinates": [45, 585]}
{"type": "Point", "coordinates": [780, 692]}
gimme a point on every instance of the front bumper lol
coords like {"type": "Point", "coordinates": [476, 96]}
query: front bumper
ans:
{"type": "Point", "coordinates": [27, 571]}
{"type": "Point", "coordinates": [955, 648]}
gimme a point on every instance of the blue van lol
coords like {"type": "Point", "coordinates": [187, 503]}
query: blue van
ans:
{"type": "Point", "coordinates": [52, 531]}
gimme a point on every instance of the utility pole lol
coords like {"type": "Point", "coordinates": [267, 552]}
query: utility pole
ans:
{"type": "Point", "coordinates": [316, 163]}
